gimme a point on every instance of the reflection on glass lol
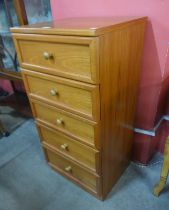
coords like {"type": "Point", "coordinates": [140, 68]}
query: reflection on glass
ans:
{"type": "Point", "coordinates": [7, 18]}
{"type": "Point", "coordinates": [38, 10]}
{"type": "Point", "coordinates": [12, 11]}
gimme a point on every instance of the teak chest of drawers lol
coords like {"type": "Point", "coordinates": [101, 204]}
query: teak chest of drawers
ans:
{"type": "Point", "coordinates": [81, 76]}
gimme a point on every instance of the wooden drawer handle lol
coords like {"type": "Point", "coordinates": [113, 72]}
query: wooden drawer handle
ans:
{"type": "Point", "coordinates": [53, 92]}
{"type": "Point", "coordinates": [59, 121]}
{"type": "Point", "coordinates": [64, 147]}
{"type": "Point", "coordinates": [68, 169]}
{"type": "Point", "coordinates": [47, 55]}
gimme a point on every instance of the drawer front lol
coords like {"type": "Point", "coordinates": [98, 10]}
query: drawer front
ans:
{"type": "Point", "coordinates": [84, 130]}
{"type": "Point", "coordinates": [70, 147]}
{"type": "Point", "coordinates": [72, 170]}
{"type": "Point", "coordinates": [77, 97]}
{"type": "Point", "coordinates": [73, 57]}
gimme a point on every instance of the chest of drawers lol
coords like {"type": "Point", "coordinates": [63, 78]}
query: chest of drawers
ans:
{"type": "Point", "coordinates": [81, 76]}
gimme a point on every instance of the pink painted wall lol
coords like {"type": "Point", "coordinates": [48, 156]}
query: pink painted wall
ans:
{"type": "Point", "coordinates": [6, 85]}
{"type": "Point", "coordinates": [154, 72]}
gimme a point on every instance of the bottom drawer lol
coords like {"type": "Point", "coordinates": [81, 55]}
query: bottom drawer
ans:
{"type": "Point", "coordinates": [78, 174]}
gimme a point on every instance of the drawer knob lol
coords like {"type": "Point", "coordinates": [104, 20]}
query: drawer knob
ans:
{"type": "Point", "coordinates": [64, 146]}
{"type": "Point", "coordinates": [47, 55]}
{"type": "Point", "coordinates": [53, 92]}
{"type": "Point", "coordinates": [68, 169]}
{"type": "Point", "coordinates": [59, 122]}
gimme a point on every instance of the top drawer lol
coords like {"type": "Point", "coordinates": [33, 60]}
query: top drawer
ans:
{"type": "Point", "coordinates": [70, 57]}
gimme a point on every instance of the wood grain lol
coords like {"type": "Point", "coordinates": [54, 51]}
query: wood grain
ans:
{"type": "Point", "coordinates": [83, 130]}
{"type": "Point", "coordinates": [77, 97]}
{"type": "Point", "coordinates": [74, 58]}
{"type": "Point", "coordinates": [77, 171]}
{"type": "Point", "coordinates": [87, 26]}
{"type": "Point", "coordinates": [118, 92]}
{"type": "Point", "coordinates": [74, 149]}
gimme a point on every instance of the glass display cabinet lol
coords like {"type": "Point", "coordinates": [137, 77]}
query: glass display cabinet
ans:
{"type": "Point", "coordinates": [15, 13]}
{"type": "Point", "coordinates": [8, 19]}
{"type": "Point", "coordinates": [38, 10]}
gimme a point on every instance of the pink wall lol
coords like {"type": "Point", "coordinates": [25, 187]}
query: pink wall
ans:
{"type": "Point", "coordinates": [5, 84]}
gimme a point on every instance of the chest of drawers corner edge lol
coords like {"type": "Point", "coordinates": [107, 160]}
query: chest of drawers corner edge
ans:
{"type": "Point", "coordinates": [82, 84]}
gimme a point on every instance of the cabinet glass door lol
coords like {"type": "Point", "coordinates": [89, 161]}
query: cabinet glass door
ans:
{"type": "Point", "coordinates": [36, 11]}
{"type": "Point", "coordinates": [8, 19]}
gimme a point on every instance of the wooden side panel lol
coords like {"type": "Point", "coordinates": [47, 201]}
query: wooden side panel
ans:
{"type": "Point", "coordinates": [120, 55]}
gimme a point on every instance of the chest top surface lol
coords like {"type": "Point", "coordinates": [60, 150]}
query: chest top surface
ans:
{"type": "Point", "coordinates": [87, 26]}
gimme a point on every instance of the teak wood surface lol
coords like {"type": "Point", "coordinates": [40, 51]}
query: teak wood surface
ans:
{"type": "Point", "coordinates": [77, 172]}
{"type": "Point", "coordinates": [79, 128]}
{"type": "Point", "coordinates": [87, 26]}
{"type": "Point", "coordinates": [80, 98]}
{"type": "Point", "coordinates": [74, 149]}
{"type": "Point", "coordinates": [93, 64]}
{"type": "Point", "coordinates": [74, 58]}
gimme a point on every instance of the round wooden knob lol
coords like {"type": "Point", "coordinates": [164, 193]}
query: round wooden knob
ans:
{"type": "Point", "coordinates": [47, 55]}
{"type": "Point", "coordinates": [53, 92]}
{"type": "Point", "coordinates": [64, 146]}
{"type": "Point", "coordinates": [59, 121]}
{"type": "Point", "coordinates": [68, 169]}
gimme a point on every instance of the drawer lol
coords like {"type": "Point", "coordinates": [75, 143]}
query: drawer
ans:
{"type": "Point", "coordinates": [72, 170]}
{"type": "Point", "coordinates": [73, 57]}
{"type": "Point", "coordinates": [70, 147]}
{"type": "Point", "coordinates": [77, 127]}
{"type": "Point", "coordinates": [77, 97]}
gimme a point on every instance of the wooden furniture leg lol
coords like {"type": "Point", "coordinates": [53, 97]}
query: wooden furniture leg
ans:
{"type": "Point", "coordinates": [164, 172]}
